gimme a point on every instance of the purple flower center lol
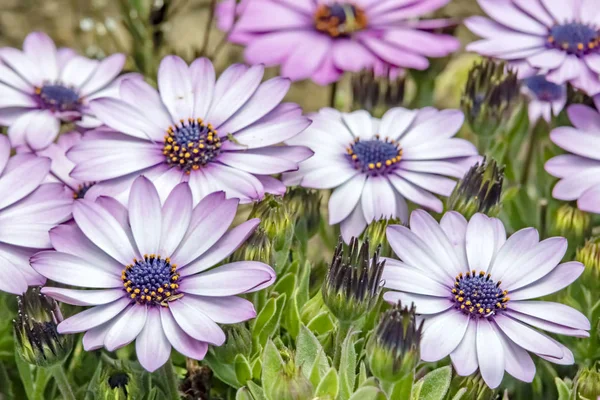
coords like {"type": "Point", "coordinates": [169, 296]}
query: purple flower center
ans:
{"type": "Point", "coordinates": [340, 19]}
{"type": "Point", "coordinates": [191, 145]}
{"type": "Point", "coordinates": [151, 281]}
{"type": "Point", "coordinates": [57, 97]}
{"type": "Point", "coordinates": [574, 38]}
{"type": "Point", "coordinates": [82, 190]}
{"type": "Point", "coordinates": [478, 295]}
{"type": "Point", "coordinates": [544, 90]}
{"type": "Point", "coordinates": [375, 156]}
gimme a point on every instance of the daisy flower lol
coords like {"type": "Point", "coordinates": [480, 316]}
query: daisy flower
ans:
{"type": "Point", "coordinates": [579, 171]}
{"type": "Point", "coordinates": [545, 98]}
{"type": "Point", "coordinates": [474, 288]}
{"type": "Point", "coordinates": [148, 268]}
{"type": "Point", "coordinates": [374, 165]}
{"type": "Point", "coordinates": [28, 210]}
{"type": "Point", "coordinates": [320, 39]}
{"type": "Point", "coordinates": [42, 86]}
{"type": "Point", "coordinates": [216, 134]}
{"type": "Point", "coordinates": [559, 37]}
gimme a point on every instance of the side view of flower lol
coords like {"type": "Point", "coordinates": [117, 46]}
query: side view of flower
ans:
{"type": "Point", "coordinates": [42, 86]}
{"type": "Point", "coordinates": [579, 172]}
{"type": "Point", "coordinates": [321, 39]}
{"type": "Point", "coordinates": [215, 134]}
{"type": "Point", "coordinates": [474, 288]}
{"type": "Point", "coordinates": [374, 165]}
{"type": "Point", "coordinates": [148, 266]}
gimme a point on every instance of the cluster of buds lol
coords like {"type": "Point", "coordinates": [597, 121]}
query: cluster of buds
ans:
{"type": "Point", "coordinates": [589, 255]}
{"type": "Point", "coordinates": [393, 350]}
{"type": "Point", "coordinates": [377, 93]}
{"type": "Point", "coordinates": [353, 282]}
{"type": "Point", "coordinates": [490, 96]}
{"type": "Point", "coordinates": [572, 223]}
{"type": "Point", "coordinates": [36, 337]}
{"type": "Point", "coordinates": [480, 190]}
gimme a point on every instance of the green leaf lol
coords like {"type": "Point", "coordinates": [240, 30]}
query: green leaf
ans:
{"type": "Point", "coordinates": [416, 390]}
{"type": "Point", "coordinates": [347, 368]}
{"type": "Point", "coordinates": [319, 368]}
{"type": "Point", "coordinates": [322, 323]}
{"type": "Point", "coordinates": [26, 376]}
{"type": "Point", "coordinates": [225, 372]}
{"type": "Point", "coordinates": [243, 394]}
{"type": "Point", "coordinates": [436, 384]}
{"type": "Point", "coordinates": [368, 393]}
{"type": "Point", "coordinates": [267, 327]}
{"type": "Point", "coordinates": [563, 390]}
{"type": "Point", "coordinates": [459, 394]}
{"type": "Point", "coordinates": [257, 392]}
{"type": "Point", "coordinates": [272, 366]}
{"type": "Point", "coordinates": [362, 374]}
{"type": "Point", "coordinates": [243, 372]}
{"type": "Point", "coordinates": [403, 388]}
{"type": "Point", "coordinates": [329, 385]}
{"type": "Point", "coordinates": [310, 354]}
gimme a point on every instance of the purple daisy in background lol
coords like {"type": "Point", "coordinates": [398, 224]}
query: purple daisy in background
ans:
{"type": "Point", "coordinates": [28, 210]}
{"type": "Point", "coordinates": [560, 37]}
{"type": "Point", "coordinates": [546, 99]}
{"type": "Point", "coordinates": [579, 172]}
{"type": "Point", "coordinates": [474, 288]}
{"type": "Point", "coordinates": [320, 39]}
{"type": "Point", "coordinates": [216, 134]}
{"type": "Point", "coordinates": [373, 165]}
{"type": "Point", "coordinates": [42, 86]}
{"type": "Point", "coordinates": [148, 268]}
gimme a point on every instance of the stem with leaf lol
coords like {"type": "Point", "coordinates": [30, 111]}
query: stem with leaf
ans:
{"type": "Point", "coordinates": [58, 373]}
{"type": "Point", "coordinates": [340, 336]}
{"type": "Point", "coordinates": [170, 381]}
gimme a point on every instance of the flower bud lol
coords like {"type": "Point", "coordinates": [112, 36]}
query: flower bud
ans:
{"type": "Point", "coordinates": [291, 384]}
{"type": "Point", "coordinates": [480, 190]}
{"type": "Point", "coordinates": [475, 386]}
{"type": "Point", "coordinates": [589, 255]}
{"type": "Point", "coordinates": [379, 92]}
{"type": "Point", "coordinates": [393, 350]}
{"type": "Point", "coordinates": [375, 234]}
{"type": "Point", "coordinates": [572, 223]}
{"type": "Point", "coordinates": [258, 247]}
{"type": "Point", "coordinates": [117, 383]}
{"type": "Point", "coordinates": [353, 282]}
{"type": "Point", "coordinates": [304, 206]}
{"type": "Point", "coordinates": [587, 383]}
{"type": "Point", "coordinates": [491, 95]}
{"type": "Point", "coordinates": [37, 340]}
{"type": "Point", "coordinates": [275, 220]}
{"type": "Point", "coordinates": [239, 341]}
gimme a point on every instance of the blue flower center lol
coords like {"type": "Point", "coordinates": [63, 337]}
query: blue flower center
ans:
{"type": "Point", "coordinates": [339, 19]}
{"type": "Point", "coordinates": [57, 97]}
{"type": "Point", "coordinates": [375, 156]}
{"type": "Point", "coordinates": [191, 145]}
{"type": "Point", "coordinates": [152, 280]}
{"type": "Point", "coordinates": [574, 38]}
{"type": "Point", "coordinates": [82, 190]}
{"type": "Point", "coordinates": [544, 90]}
{"type": "Point", "coordinates": [478, 295]}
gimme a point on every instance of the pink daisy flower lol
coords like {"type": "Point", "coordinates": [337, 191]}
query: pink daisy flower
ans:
{"type": "Point", "coordinates": [374, 165]}
{"type": "Point", "coordinates": [473, 287]}
{"type": "Point", "coordinates": [579, 171]}
{"type": "Point", "coordinates": [546, 99]}
{"type": "Point", "coordinates": [560, 37]}
{"type": "Point", "coordinates": [42, 86]}
{"type": "Point", "coordinates": [148, 266]}
{"type": "Point", "coordinates": [28, 210]}
{"type": "Point", "coordinates": [216, 134]}
{"type": "Point", "coordinates": [320, 39]}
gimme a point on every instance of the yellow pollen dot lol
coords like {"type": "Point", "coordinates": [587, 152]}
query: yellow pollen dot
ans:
{"type": "Point", "coordinates": [133, 295]}
{"type": "Point", "coordinates": [468, 302]}
{"type": "Point", "coordinates": [461, 299]}
{"type": "Point", "coordinates": [137, 291]}
{"type": "Point", "coordinates": [129, 290]}
{"type": "Point", "coordinates": [471, 309]}
{"type": "Point", "coordinates": [453, 290]}
{"type": "Point", "coordinates": [371, 166]}
{"type": "Point", "coordinates": [481, 311]}
{"type": "Point", "coordinates": [487, 311]}
{"type": "Point", "coordinates": [168, 294]}
{"type": "Point", "coordinates": [462, 306]}
{"type": "Point", "coordinates": [388, 162]}
{"type": "Point", "coordinates": [580, 46]}
{"type": "Point", "coordinates": [160, 290]}
{"type": "Point", "coordinates": [378, 165]}
{"type": "Point", "coordinates": [187, 155]}
{"type": "Point", "coordinates": [146, 290]}
{"type": "Point", "coordinates": [551, 39]}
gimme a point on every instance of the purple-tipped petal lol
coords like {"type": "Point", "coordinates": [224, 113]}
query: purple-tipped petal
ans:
{"type": "Point", "coordinates": [438, 341]}
{"type": "Point", "coordinates": [126, 328]}
{"type": "Point", "coordinates": [517, 361]}
{"type": "Point", "coordinates": [181, 341]}
{"type": "Point", "coordinates": [145, 215]}
{"type": "Point", "coordinates": [176, 216]}
{"type": "Point", "coordinates": [195, 323]}
{"type": "Point", "coordinates": [83, 297]}
{"type": "Point", "coordinates": [152, 346]}
{"type": "Point", "coordinates": [560, 277]}
{"type": "Point", "coordinates": [175, 87]}
{"type": "Point", "coordinates": [229, 279]}
{"type": "Point", "coordinates": [490, 353]}
{"type": "Point", "coordinates": [555, 312]}
{"type": "Point", "coordinates": [464, 357]}
{"type": "Point", "coordinates": [93, 317]}
{"type": "Point", "coordinates": [223, 310]}
{"type": "Point", "coordinates": [527, 338]}
{"type": "Point", "coordinates": [18, 182]}
{"type": "Point", "coordinates": [40, 49]}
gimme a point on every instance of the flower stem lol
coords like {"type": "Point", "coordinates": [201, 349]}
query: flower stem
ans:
{"type": "Point", "coordinates": [334, 87]}
{"type": "Point", "coordinates": [529, 157]}
{"type": "Point", "coordinates": [170, 380]}
{"type": "Point", "coordinates": [340, 336]}
{"type": "Point", "coordinates": [58, 373]}
{"type": "Point", "coordinates": [41, 381]}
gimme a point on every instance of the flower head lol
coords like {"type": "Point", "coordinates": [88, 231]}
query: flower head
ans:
{"type": "Point", "coordinates": [42, 86]}
{"type": "Point", "coordinates": [373, 164]}
{"type": "Point", "coordinates": [475, 288]}
{"type": "Point", "coordinates": [37, 340]}
{"type": "Point", "coordinates": [353, 282]}
{"type": "Point", "coordinates": [216, 134]}
{"type": "Point", "coordinates": [545, 98]}
{"type": "Point", "coordinates": [579, 172]}
{"type": "Point", "coordinates": [322, 39]}
{"type": "Point", "coordinates": [560, 37]}
{"type": "Point", "coordinates": [149, 268]}
{"type": "Point", "coordinates": [28, 210]}
{"type": "Point", "coordinates": [377, 94]}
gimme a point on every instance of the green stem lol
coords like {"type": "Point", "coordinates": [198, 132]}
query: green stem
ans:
{"type": "Point", "coordinates": [333, 94]}
{"type": "Point", "coordinates": [170, 379]}
{"type": "Point", "coordinates": [340, 336]}
{"type": "Point", "coordinates": [58, 373]}
{"type": "Point", "coordinates": [529, 157]}
{"type": "Point", "coordinates": [213, 6]}
{"type": "Point", "coordinates": [41, 381]}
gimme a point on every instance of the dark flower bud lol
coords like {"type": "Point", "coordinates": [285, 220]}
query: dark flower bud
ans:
{"type": "Point", "coordinates": [117, 382]}
{"type": "Point", "coordinates": [353, 282]}
{"type": "Point", "coordinates": [480, 190]}
{"type": "Point", "coordinates": [37, 340]}
{"type": "Point", "coordinates": [393, 350]}
{"type": "Point", "coordinates": [491, 95]}
{"type": "Point", "coordinates": [377, 94]}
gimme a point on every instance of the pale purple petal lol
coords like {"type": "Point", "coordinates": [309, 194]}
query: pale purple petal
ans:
{"type": "Point", "coordinates": [505, 12]}
{"type": "Point", "coordinates": [481, 242]}
{"type": "Point", "coordinates": [399, 276]}
{"type": "Point", "coordinates": [223, 310]}
{"type": "Point", "coordinates": [377, 200]}
{"type": "Point", "coordinates": [126, 328]}
{"type": "Point", "coordinates": [229, 279]}
{"type": "Point", "coordinates": [547, 325]}
{"type": "Point", "coordinates": [83, 297]}
{"type": "Point", "coordinates": [416, 194]}
{"type": "Point", "coordinates": [584, 118]}
{"type": "Point", "coordinates": [565, 165]}
{"type": "Point", "coordinates": [175, 87]}
{"type": "Point", "coordinates": [560, 277]}
{"type": "Point", "coordinates": [176, 216]}
{"type": "Point", "coordinates": [508, 255]}
{"type": "Point", "coordinates": [554, 312]}
{"type": "Point", "coordinates": [527, 338]}
{"type": "Point", "coordinates": [93, 317]}
{"type": "Point", "coordinates": [307, 56]}
{"type": "Point", "coordinates": [94, 338]}
{"type": "Point", "coordinates": [145, 215]}
{"type": "Point", "coordinates": [454, 226]}
{"type": "Point", "coordinates": [203, 78]}
{"type": "Point", "coordinates": [11, 279]}
{"type": "Point", "coordinates": [20, 62]}
{"type": "Point", "coordinates": [18, 182]}
{"type": "Point", "coordinates": [181, 341]}
{"type": "Point", "coordinates": [517, 361]}
{"type": "Point", "coordinates": [345, 198]}
{"type": "Point", "coordinates": [442, 334]}
{"type": "Point", "coordinates": [590, 200]}
{"type": "Point", "coordinates": [125, 118]}
{"type": "Point", "coordinates": [41, 50]}
{"type": "Point", "coordinates": [146, 99]}
{"type": "Point", "coordinates": [353, 225]}
{"type": "Point", "coordinates": [490, 353]}
{"type": "Point", "coordinates": [424, 304]}
{"type": "Point", "coordinates": [152, 346]}
{"type": "Point", "coordinates": [107, 70]}
{"type": "Point", "coordinates": [464, 357]}
{"type": "Point", "coordinates": [195, 323]}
